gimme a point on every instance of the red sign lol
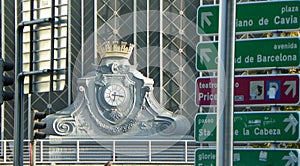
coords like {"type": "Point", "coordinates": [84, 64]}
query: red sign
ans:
{"type": "Point", "coordinates": [252, 90]}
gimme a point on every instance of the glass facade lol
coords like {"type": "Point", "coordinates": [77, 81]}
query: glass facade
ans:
{"type": "Point", "coordinates": [7, 53]}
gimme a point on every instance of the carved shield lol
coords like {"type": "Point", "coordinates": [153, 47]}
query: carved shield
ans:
{"type": "Point", "coordinates": [115, 95]}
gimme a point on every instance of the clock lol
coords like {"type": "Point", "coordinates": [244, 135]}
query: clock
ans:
{"type": "Point", "coordinates": [114, 95]}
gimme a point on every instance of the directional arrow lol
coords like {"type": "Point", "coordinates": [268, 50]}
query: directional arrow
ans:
{"type": "Point", "coordinates": [292, 86]}
{"type": "Point", "coordinates": [204, 18]}
{"type": "Point", "coordinates": [251, 156]}
{"type": "Point", "coordinates": [253, 12]}
{"type": "Point", "coordinates": [292, 122]}
{"type": "Point", "coordinates": [243, 54]}
{"type": "Point", "coordinates": [256, 124]}
{"type": "Point", "coordinates": [287, 92]}
{"type": "Point", "coordinates": [292, 159]}
{"type": "Point", "coordinates": [203, 54]}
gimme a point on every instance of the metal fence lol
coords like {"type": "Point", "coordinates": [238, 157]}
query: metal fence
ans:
{"type": "Point", "coordinates": [125, 151]}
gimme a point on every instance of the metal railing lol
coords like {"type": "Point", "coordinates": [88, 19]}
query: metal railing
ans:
{"type": "Point", "coordinates": [92, 151]}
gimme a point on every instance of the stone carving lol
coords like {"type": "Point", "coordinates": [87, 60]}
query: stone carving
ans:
{"type": "Point", "coordinates": [116, 101]}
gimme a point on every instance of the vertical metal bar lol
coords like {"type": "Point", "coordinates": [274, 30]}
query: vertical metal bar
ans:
{"type": "Point", "coordinates": [31, 59]}
{"type": "Point", "coordinates": [82, 38]}
{"type": "Point", "coordinates": [18, 113]}
{"type": "Point", "coordinates": [95, 32]}
{"type": "Point", "coordinates": [181, 33]}
{"type": "Point", "coordinates": [29, 122]}
{"type": "Point", "coordinates": [135, 31]}
{"type": "Point", "coordinates": [32, 143]}
{"type": "Point", "coordinates": [161, 51]}
{"type": "Point", "coordinates": [186, 150]}
{"type": "Point", "coordinates": [69, 53]}
{"type": "Point", "coordinates": [148, 38]}
{"type": "Point", "coordinates": [150, 150]}
{"type": "Point", "coordinates": [275, 108]}
{"type": "Point", "coordinates": [114, 150]}
{"type": "Point", "coordinates": [1, 30]}
{"type": "Point", "coordinates": [2, 123]}
{"type": "Point", "coordinates": [225, 82]}
{"type": "Point", "coordinates": [115, 26]}
{"type": "Point", "coordinates": [42, 150]}
{"type": "Point", "coordinates": [52, 42]}
{"type": "Point", "coordinates": [19, 122]}
{"type": "Point", "coordinates": [78, 150]}
{"type": "Point", "coordinates": [18, 141]}
{"type": "Point", "coordinates": [57, 84]}
{"type": "Point", "coordinates": [4, 150]}
{"type": "Point", "coordinates": [33, 149]}
{"type": "Point", "coordinates": [275, 71]}
{"type": "Point", "coordinates": [1, 46]}
{"type": "Point", "coordinates": [200, 109]}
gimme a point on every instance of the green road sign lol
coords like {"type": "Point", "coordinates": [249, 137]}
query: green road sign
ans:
{"type": "Point", "coordinates": [260, 126]}
{"type": "Point", "coordinates": [253, 54]}
{"type": "Point", "coordinates": [251, 157]}
{"type": "Point", "coordinates": [256, 16]}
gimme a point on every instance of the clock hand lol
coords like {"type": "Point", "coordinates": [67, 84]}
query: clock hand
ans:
{"type": "Point", "coordinates": [115, 94]}
{"type": "Point", "coordinates": [119, 95]}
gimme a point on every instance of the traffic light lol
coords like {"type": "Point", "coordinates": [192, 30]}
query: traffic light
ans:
{"type": "Point", "coordinates": [37, 125]}
{"type": "Point", "coordinates": [5, 81]}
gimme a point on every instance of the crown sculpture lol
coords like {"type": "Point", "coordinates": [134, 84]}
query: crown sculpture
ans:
{"type": "Point", "coordinates": [116, 101]}
{"type": "Point", "coordinates": [117, 50]}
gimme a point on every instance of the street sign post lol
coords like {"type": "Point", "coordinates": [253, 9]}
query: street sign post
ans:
{"type": "Point", "coordinates": [250, 157]}
{"type": "Point", "coordinates": [255, 16]}
{"type": "Point", "coordinates": [260, 126]}
{"type": "Point", "coordinates": [253, 54]}
{"type": "Point", "coordinates": [256, 90]}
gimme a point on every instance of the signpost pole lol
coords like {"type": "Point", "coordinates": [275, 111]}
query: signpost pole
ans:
{"type": "Point", "coordinates": [225, 82]}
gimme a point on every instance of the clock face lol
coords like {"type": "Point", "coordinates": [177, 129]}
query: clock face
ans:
{"type": "Point", "coordinates": [114, 95]}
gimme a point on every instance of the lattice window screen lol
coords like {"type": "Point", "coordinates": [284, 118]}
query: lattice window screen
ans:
{"type": "Point", "coordinates": [164, 34]}
{"type": "Point", "coordinates": [44, 57]}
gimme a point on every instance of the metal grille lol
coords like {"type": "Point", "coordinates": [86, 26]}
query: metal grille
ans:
{"type": "Point", "coordinates": [164, 34]}
{"type": "Point", "coordinates": [101, 151]}
{"type": "Point", "coordinates": [48, 48]}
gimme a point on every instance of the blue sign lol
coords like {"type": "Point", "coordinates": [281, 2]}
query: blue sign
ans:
{"type": "Point", "coordinates": [273, 90]}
